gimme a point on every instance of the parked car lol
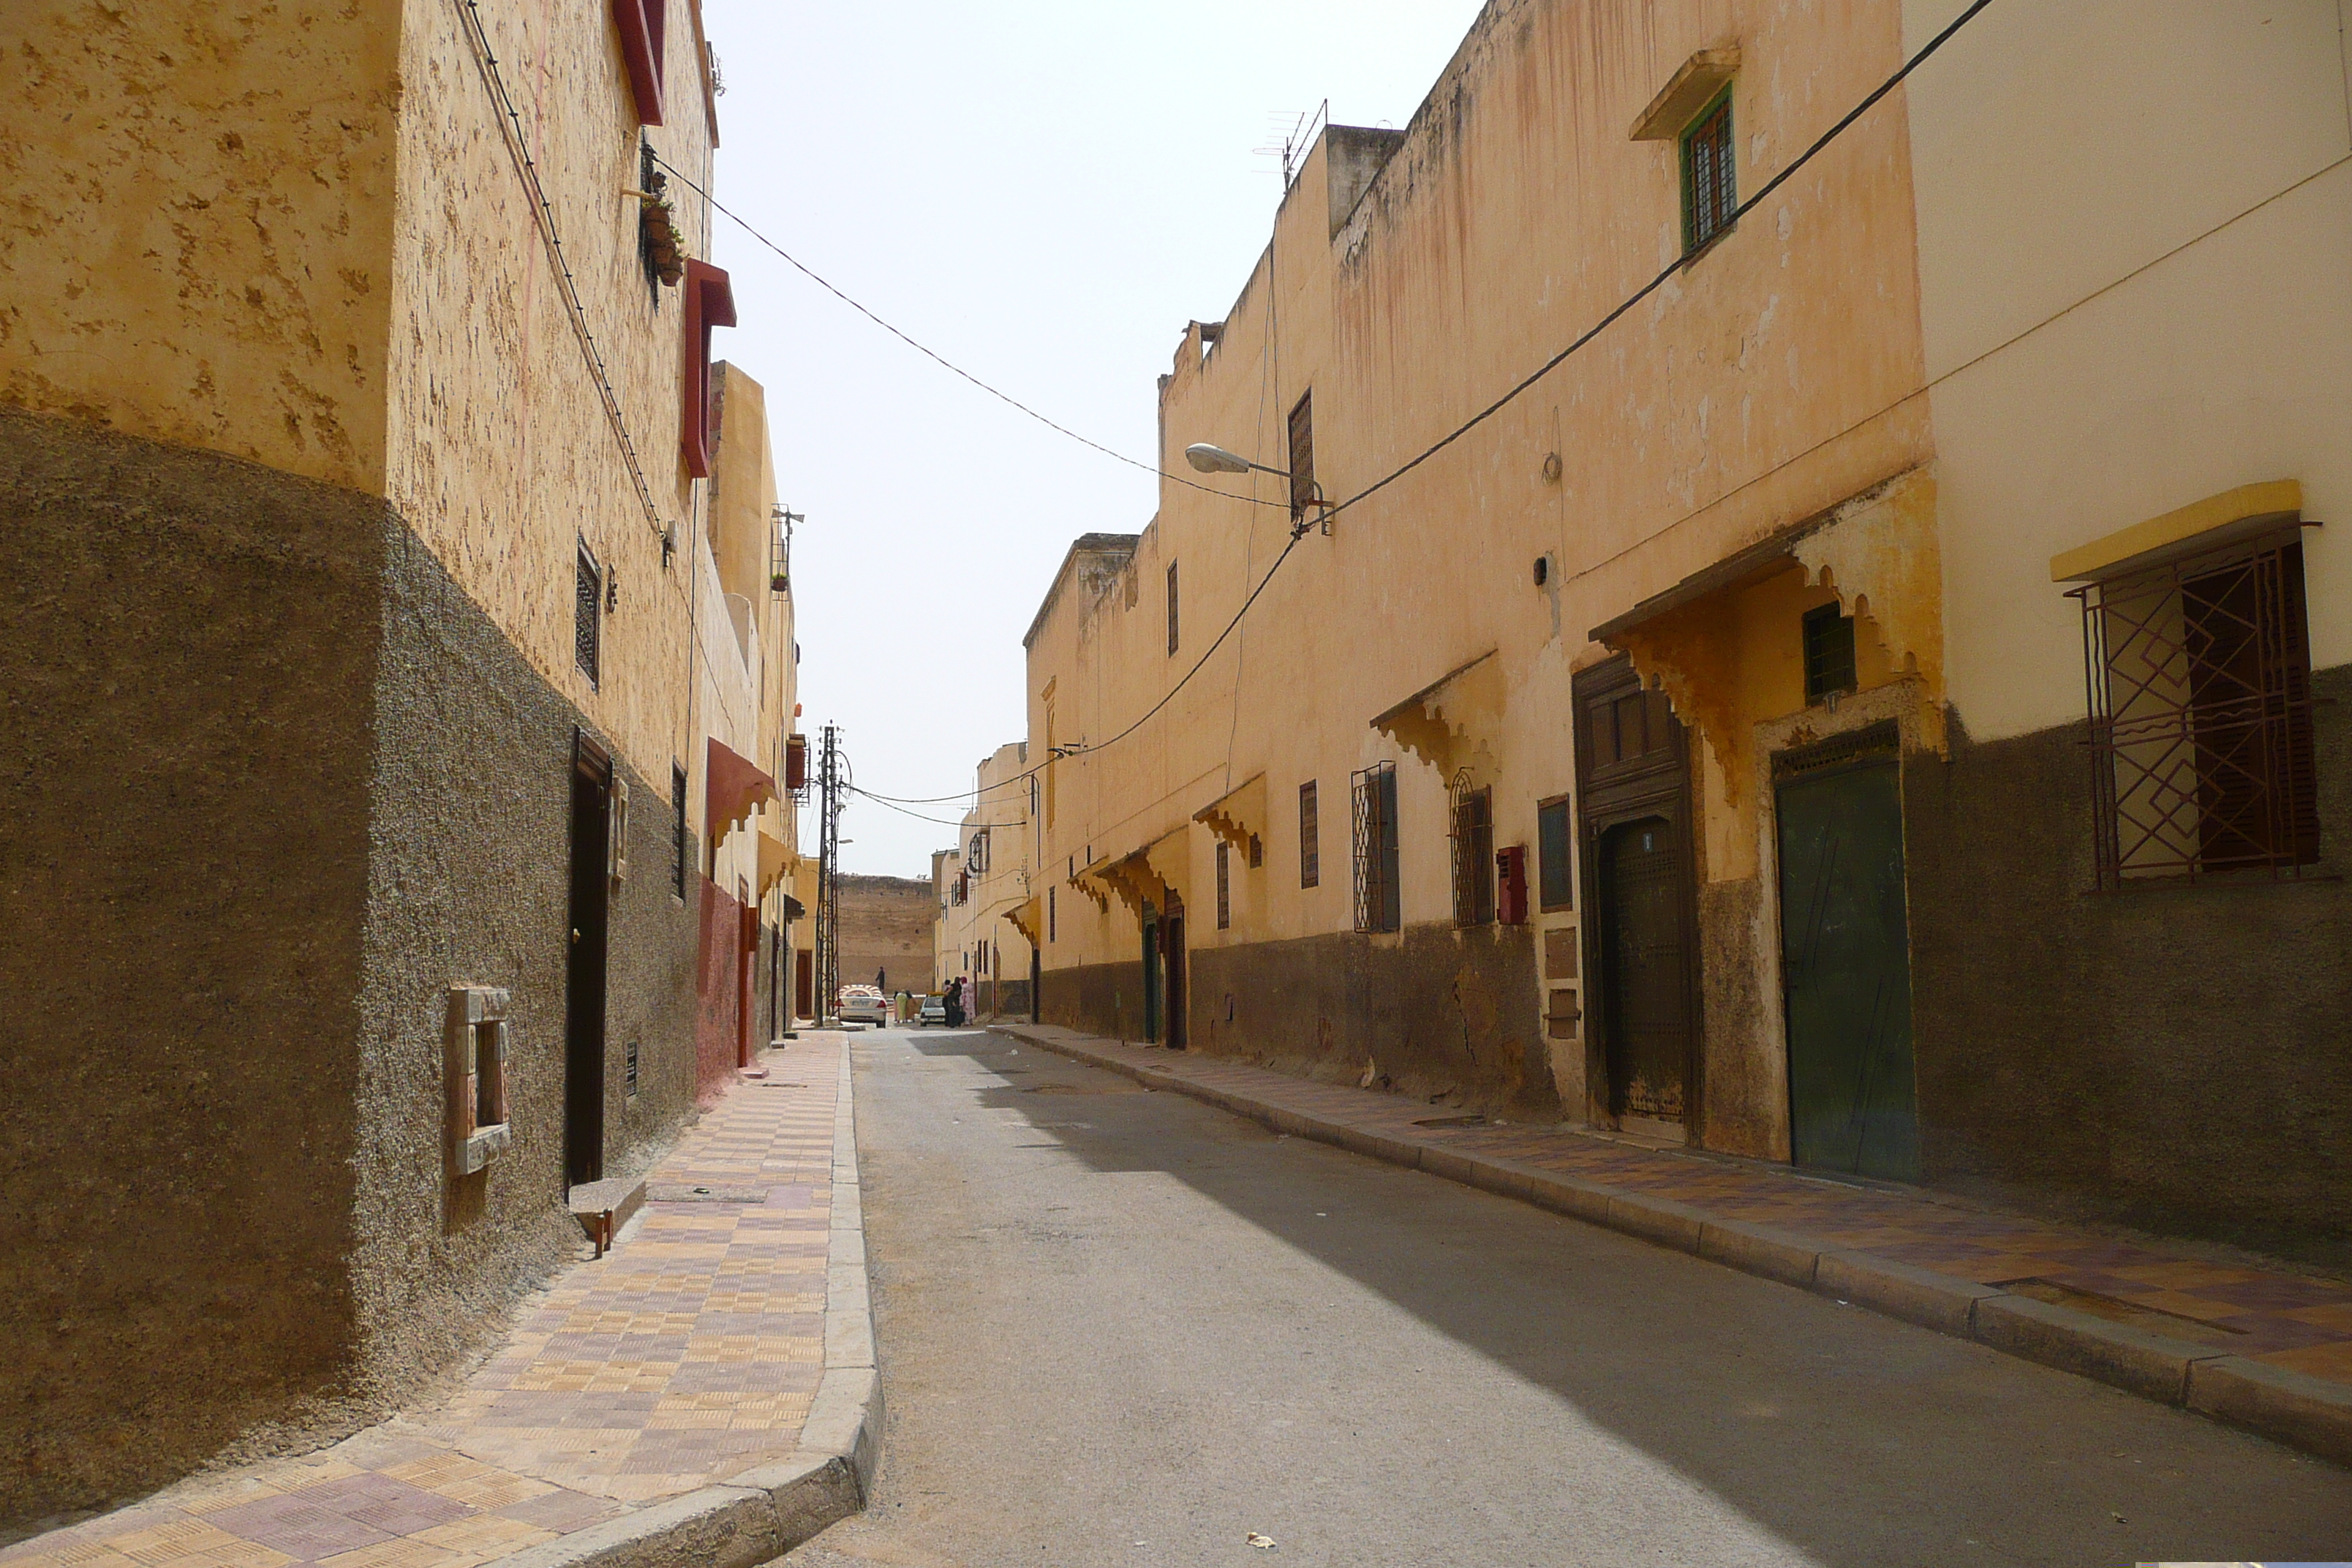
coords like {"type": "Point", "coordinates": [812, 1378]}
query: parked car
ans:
{"type": "Point", "coordinates": [863, 1005]}
{"type": "Point", "coordinates": [934, 1010]}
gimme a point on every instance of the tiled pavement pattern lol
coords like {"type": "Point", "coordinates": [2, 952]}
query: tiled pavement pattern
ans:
{"type": "Point", "coordinates": [2283, 1318]}
{"type": "Point", "coordinates": [686, 1356]}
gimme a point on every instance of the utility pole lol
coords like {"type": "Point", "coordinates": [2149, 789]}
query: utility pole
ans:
{"type": "Point", "coordinates": [828, 876]}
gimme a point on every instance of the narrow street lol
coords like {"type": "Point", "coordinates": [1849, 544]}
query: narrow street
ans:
{"type": "Point", "coordinates": [1119, 1327]}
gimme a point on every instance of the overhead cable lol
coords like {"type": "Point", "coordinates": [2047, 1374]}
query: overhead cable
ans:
{"type": "Point", "coordinates": [946, 364]}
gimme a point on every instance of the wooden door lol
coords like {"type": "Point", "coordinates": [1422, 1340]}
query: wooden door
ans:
{"type": "Point", "coordinates": [1845, 962]}
{"type": "Point", "coordinates": [583, 999]}
{"type": "Point", "coordinates": [1643, 1030]}
{"type": "Point", "coordinates": [1645, 970]}
{"type": "Point", "coordinates": [1172, 928]}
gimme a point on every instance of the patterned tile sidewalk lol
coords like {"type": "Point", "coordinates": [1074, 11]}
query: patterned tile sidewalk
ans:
{"type": "Point", "coordinates": [689, 1354]}
{"type": "Point", "coordinates": [2281, 1318]}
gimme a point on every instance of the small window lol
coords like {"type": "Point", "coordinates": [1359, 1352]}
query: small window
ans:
{"type": "Point", "coordinates": [1302, 456]}
{"type": "Point", "coordinates": [1555, 887]}
{"type": "Point", "coordinates": [1171, 607]}
{"type": "Point", "coordinates": [1050, 924]}
{"type": "Point", "coordinates": [1379, 898]}
{"type": "Point", "coordinates": [1829, 652]}
{"type": "Point", "coordinates": [629, 1070]}
{"type": "Point", "coordinates": [1474, 857]}
{"type": "Point", "coordinates": [2199, 675]}
{"type": "Point", "coordinates": [1257, 852]}
{"type": "Point", "coordinates": [1710, 184]}
{"type": "Point", "coordinates": [1311, 847]}
{"type": "Point", "coordinates": [1224, 885]}
{"type": "Point", "coordinates": [587, 600]}
{"type": "Point", "coordinates": [678, 828]}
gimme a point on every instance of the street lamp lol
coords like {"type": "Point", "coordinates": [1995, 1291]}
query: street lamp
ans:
{"type": "Point", "coordinates": [1207, 458]}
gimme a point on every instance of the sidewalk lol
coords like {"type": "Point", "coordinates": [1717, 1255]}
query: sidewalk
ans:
{"type": "Point", "coordinates": [2270, 1351]}
{"type": "Point", "coordinates": [704, 1393]}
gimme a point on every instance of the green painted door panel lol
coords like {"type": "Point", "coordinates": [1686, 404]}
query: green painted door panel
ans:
{"type": "Point", "coordinates": [1845, 958]}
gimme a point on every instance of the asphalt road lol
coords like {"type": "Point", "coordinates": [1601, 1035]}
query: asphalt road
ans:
{"type": "Point", "coordinates": [1121, 1328]}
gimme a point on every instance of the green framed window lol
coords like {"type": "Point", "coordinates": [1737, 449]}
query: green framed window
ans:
{"type": "Point", "coordinates": [1710, 181]}
{"type": "Point", "coordinates": [1555, 890]}
{"type": "Point", "coordinates": [1829, 652]}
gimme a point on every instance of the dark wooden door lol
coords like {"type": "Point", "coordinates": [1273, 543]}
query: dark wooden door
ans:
{"type": "Point", "coordinates": [1151, 974]}
{"type": "Point", "coordinates": [583, 999]}
{"type": "Point", "coordinates": [1172, 926]}
{"type": "Point", "coordinates": [1645, 969]}
{"type": "Point", "coordinates": [1845, 963]}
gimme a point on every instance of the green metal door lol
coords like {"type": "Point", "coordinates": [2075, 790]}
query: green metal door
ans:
{"type": "Point", "coordinates": [1845, 962]}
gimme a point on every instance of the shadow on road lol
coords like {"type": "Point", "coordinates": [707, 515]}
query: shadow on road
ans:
{"type": "Point", "coordinates": [1843, 1433]}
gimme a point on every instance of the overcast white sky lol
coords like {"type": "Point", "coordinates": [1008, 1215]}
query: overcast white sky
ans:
{"type": "Point", "coordinates": [1043, 191]}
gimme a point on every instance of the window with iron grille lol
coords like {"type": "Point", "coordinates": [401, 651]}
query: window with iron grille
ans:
{"type": "Point", "coordinates": [1379, 901]}
{"type": "Point", "coordinates": [1555, 886]}
{"type": "Point", "coordinates": [678, 828]}
{"type": "Point", "coordinates": [1257, 852]}
{"type": "Point", "coordinates": [1050, 924]}
{"type": "Point", "coordinates": [587, 599]}
{"type": "Point", "coordinates": [1829, 652]}
{"type": "Point", "coordinates": [1224, 885]}
{"type": "Point", "coordinates": [2200, 686]}
{"type": "Point", "coordinates": [1310, 846]}
{"type": "Point", "coordinates": [1473, 857]}
{"type": "Point", "coordinates": [1302, 454]}
{"type": "Point", "coordinates": [1710, 184]}
{"type": "Point", "coordinates": [1172, 607]}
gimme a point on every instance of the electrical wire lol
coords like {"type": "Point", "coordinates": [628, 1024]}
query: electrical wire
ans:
{"type": "Point", "coordinates": [477, 32]}
{"type": "Point", "coordinates": [1618, 313]}
{"type": "Point", "coordinates": [942, 359]}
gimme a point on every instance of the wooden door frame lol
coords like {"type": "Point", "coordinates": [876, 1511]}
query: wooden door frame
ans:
{"type": "Point", "coordinates": [1608, 798]}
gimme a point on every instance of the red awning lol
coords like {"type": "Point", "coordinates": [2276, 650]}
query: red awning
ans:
{"type": "Point", "coordinates": [730, 789]}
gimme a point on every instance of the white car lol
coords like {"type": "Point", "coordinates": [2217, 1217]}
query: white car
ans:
{"type": "Point", "coordinates": [863, 1005]}
{"type": "Point", "coordinates": [934, 1010]}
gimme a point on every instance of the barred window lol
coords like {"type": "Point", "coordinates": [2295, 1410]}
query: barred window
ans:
{"type": "Point", "coordinates": [2201, 735]}
{"type": "Point", "coordinates": [1224, 885]}
{"type": "Point", "coordinates": [1311, 847]}
{"type": "Point", "coordinates": [1710, 184]}
{"type": "Point", "coordinates": [1473, 857]}
{"type": "Point", "coordinates": [1828, 634]}
{"type": "Point", "coordinates": [1302, 454]}
{"type": "Point", "coordinates": [587, 600]}
{"type": "Point", "coordinates": [1171, 607]}
{"type": "Point", "coordinates": [1379, 901]}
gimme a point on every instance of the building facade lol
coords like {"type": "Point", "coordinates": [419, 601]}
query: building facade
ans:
{"type": "Point", "coordinates": [1696, 743]}
{"type": "Point", "coordinates": [377, 688]}
{"type": "Point", "coordinates": [990, 911]}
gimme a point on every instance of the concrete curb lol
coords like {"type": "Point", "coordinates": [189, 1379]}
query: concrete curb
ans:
{"type": "Point", "coordinates": [760, 1515]}
{"type": "Point", "coordinates": [2303, 1412]}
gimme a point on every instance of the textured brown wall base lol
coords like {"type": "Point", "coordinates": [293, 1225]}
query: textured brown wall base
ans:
{"type": "Point", "coordinates": [275, 783]}
{"type": "Point", "coordinates": [2173, 1057]}
{"type": "Point", "coordinates": [1443, 1014]}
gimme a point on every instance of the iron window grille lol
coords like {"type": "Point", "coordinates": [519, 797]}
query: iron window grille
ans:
{"type": "Point", "coordinates": [1710, 179]}
{"type": "Point", "coordinates": [2199, 684]}
{"type": "Point", "coordinates": [1224, 885]}
{"type": "Point", "coordinates": [1474, 856]}
{"type": "Point", "coordinates": [1311, 847]}
{"type": "Point", "coordinates": [587, 601]}
{"type": "Point", "coordinates": [1378, 902]}
{"type": "Point", "coordinates": [678, 828]}
{"type": "Point", "coordinates": [1171, 607]}
{"type": "Point", "coordinates": [1051, 925]}
{"type": "Point", "coordinates": [1555, 885]}
{"type": "Point", "coordinates": [1829, 652]}
{"type": "Point", "coordinates": [1302, 456]}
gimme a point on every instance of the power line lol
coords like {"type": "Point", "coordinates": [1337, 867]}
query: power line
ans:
{"type": "Point", "coordinates": [919, 816]}
{"type": "Point", "coordinates": [1652, 287]}
{"type": "Point", "coordinates": [942, 360]}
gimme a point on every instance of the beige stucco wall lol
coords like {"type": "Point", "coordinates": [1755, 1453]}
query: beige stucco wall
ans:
{"type": "Point", "coordinates": [2152, 318]}
{"type": "Point", "coordinates": [998, 893]}
{"type": "Point", "coordinates": [1773, 379]}
{"type": "Point", "coordinates": [197, 238]}
{"type": "Point", "coordinates": [502, 458]}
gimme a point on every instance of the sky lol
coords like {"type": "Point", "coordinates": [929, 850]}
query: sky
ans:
{"type": "Point", "coordinates": [1043, 192]}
